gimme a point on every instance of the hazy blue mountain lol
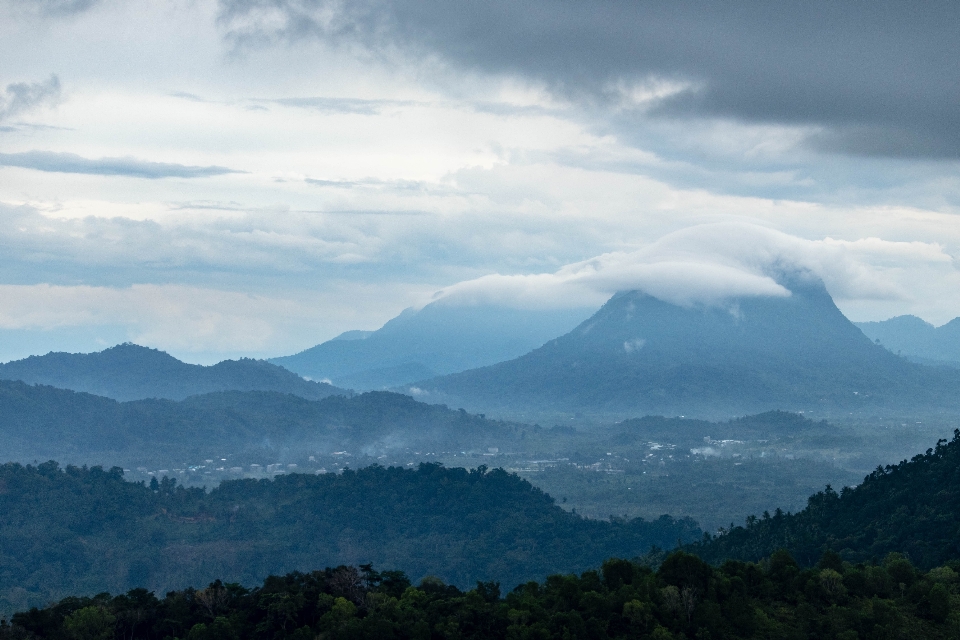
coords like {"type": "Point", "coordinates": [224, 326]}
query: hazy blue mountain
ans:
{"type": "Point", "coordinates": [41, 422]}
{"type": "Point", "coordinates": [131, 372]}
{"type": "Point", "coordinates": [638, 354]}
{"type": "Point", "coordinates": [917, 339]}
{"type": "Point", "coordinates": [436, 340]}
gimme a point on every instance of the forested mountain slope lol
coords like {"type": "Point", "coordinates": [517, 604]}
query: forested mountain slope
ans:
{"type": "Point", "coordinates": [912, 507]}
{"type": "Point", "coordinates": [640, 355]}
{"type": "Point", "coordinates": [83, 531]}
{"type": "Point", "coordinates": [38, 422]}
{"type": "Point", "coordinates": [132, 372]}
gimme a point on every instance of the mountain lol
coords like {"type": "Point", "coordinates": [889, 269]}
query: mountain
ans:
{"type": "Point", "coordinates": [86, 530]}
{"type": "Point", "coordinates": [131, 372]}
{"type": "Point", "coordinates": [39, 422]}
{"type": "Point", "coordinates": [436, 340]}
{"type": "Point", "coordinates": [917, 339]}
{"type": "Point", "coordinates": [912, 508]}
{"type": "Point", "coordinates": [639, 354]}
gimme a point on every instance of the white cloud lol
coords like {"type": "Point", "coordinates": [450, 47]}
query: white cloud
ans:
{"type": "Point", "coordinates": [712, 263]}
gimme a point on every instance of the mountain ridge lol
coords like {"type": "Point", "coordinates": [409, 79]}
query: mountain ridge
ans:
{"type": "Point", "coordinates": [43, 422]}
{"type": "Point", "coordinates": [131, 372]}
{"type": "Point", "coordinates": [438, 339]}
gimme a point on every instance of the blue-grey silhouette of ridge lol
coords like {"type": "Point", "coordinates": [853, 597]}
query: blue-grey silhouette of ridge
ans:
{"type": "Point", "coordinates": [131, 372]}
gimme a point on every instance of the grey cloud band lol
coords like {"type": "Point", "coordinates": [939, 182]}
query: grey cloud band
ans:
{"type": "Point", "coordinates": [881, 78]}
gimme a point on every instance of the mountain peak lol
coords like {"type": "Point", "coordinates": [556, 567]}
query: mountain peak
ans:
{"type": "Point", "coordinates": [641, 354]}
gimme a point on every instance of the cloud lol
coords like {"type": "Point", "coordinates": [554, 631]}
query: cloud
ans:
{"type": "Point", "coordinates": [130, 167]}
{"type": "Point", "coordinates": [711, 264]}
{"type": "Point", "coordinates": [879, 78]}
{"type": "Point", "coordinates": [22, 97]}
{"type": "Point", "coordinates": [355, 106]}
{"type": "Point", "coordinates": [52, 8]}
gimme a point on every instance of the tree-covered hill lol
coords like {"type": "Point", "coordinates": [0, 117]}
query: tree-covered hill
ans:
{"type": "Point", "coordinates": [132, 372]}
{"type": "Point", "coordinates": [38, 422]}
{"type": "Point", "coordinates": [684, 598]}
{"type": "Point", "coordinates": [912, 507]}
{"type": "Point", "coordinates": [83, 531]}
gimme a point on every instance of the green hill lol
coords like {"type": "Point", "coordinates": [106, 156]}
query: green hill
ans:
{"type": "Point", "coordinates": [912, 508]}
{"type": "Point", "coordinates": [83, 531]}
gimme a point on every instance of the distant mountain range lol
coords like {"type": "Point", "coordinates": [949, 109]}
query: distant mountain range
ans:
{"type": "Point", "coordinates": [41, 422]}
{"type": "Point", "coordinates": [639, 354]}
{"type": "Point", "coordinates": [917, 339]}
{"type": "Point", "coordinates": [132, 372]}
{"type": "Point", "coordinates": [436, 340]}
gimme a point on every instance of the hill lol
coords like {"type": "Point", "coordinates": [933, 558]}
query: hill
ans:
{"type": "Point", "coordinates": [916, 339]}
{"type": "Point", "coordinates": [438, 339]}
{"type": "Point", "coordinates": [132, 372]}
{"type": "Point", "coordinates": [912, 507]}
{"type": "Point", "coordinates": [39, 422]}
{"type": "Point", "coordinates": [83, 531]}
{"type": "Point", "coordinates": [638, 354]}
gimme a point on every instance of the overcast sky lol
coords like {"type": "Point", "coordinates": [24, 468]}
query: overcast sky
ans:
{"type": "Point", "coordinates": [252, 177]}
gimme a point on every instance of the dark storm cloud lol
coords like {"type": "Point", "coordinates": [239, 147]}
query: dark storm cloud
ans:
{"type": "Point", "coordinates": [20, 97]}
{"type": "Point", "coordinates": [131, 167]}
{"type": "Point", "coordinates": [882, 78]}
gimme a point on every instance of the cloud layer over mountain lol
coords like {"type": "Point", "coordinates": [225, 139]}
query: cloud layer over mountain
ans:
{"type": "Point", "coordinates": [708, 265]}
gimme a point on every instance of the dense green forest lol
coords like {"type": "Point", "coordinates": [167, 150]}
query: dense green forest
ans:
{"type": "Point", "coordinates": [131, 372]}
{"type": "Point", "coordinates": [912, 507]}
{"type": "Point", "coordinates": [683, 598]}
{"type": "Point", "coordinates": [875, 561]}
{"type": "Point", "coordinates": [82, 531]}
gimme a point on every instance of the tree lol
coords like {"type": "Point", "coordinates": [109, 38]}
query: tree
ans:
{"type": "Point", "coordinates": [90, 623]}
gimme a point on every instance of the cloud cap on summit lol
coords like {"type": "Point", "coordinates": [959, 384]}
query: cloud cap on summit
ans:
{"type": "Point", "coordinates": [705, 265]}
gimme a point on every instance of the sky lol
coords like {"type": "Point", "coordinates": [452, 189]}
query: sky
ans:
{"type": "Point", "coordinates": [224, 178]}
